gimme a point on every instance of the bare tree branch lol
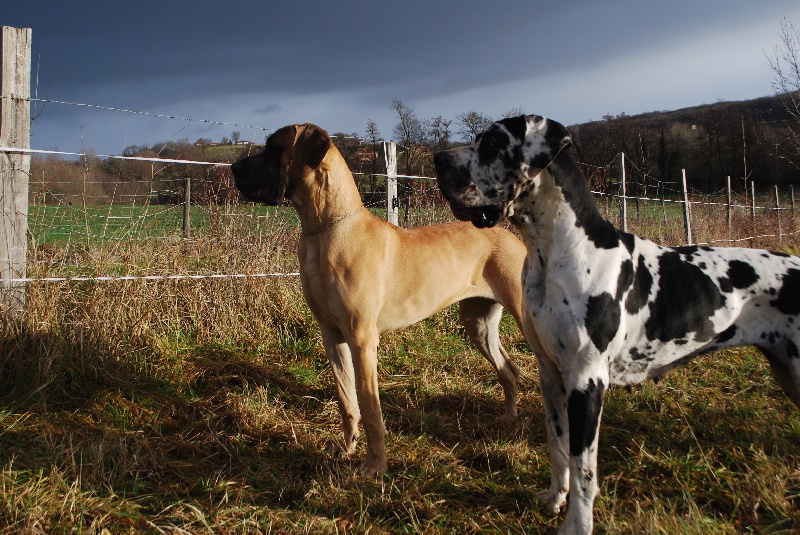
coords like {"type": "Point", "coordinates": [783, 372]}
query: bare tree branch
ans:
{"type": "Point", "coordinates": [785, 65]}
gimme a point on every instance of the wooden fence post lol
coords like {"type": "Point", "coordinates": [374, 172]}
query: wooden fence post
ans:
{"type": "Point", "coordinates": [778, 213]}
{"type": "Point", "coordinates": [730, 207]}
{"type": "Point", "coordinates": [392, 204]}
{"type": "Point", "coordinates": [687, 222]}
{"type": "Point", "coordinates": [753, 201]}
{"type": "Point", "coordinates": [15, 123]}
{"type": "Point", "coordinates": [187, 206]}
{"type": "Point", "coordinates": [624, 192]}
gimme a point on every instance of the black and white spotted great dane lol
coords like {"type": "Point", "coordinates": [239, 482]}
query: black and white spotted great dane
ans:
{"type": "Point", "coordinates": [609, 307]}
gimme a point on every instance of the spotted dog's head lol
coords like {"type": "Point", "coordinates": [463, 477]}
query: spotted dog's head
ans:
{"type": "Point", "coordinates": [482, 180]}
{"type": "Point", "coordinates": [289, 153]}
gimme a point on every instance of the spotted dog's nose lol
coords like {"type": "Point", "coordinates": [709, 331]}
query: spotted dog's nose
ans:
{"type": "Point", "coordinates": [486, 216]}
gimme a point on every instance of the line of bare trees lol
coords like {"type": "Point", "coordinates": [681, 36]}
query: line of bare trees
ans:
{"type": "Point", "coordinates": [91, 180]}
{"type": "Point", "coordinates": [753, 140]}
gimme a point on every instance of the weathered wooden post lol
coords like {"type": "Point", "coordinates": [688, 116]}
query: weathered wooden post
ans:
{"type": "Point", "coordinates": [187, 205]}
{"type": "Point", "coordinates": [778, 213]}
{"type": "Point", "coordinates": [624, 192]}
{"type": "Point", "coordinates": [392, 202]}
{"type": "Point", "coordinates": [15, 123]}
{"type": "Point", "coordinates": [730, 207]}
{"type": "Point", "coordinates": [687, 220]}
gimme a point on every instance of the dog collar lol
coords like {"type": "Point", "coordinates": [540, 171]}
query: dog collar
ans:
{"type": "Point", "coordinates": [329, 225]}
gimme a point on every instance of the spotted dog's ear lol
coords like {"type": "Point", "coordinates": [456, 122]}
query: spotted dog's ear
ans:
{"type": "Point", "coordinates": [314, 142]}
{"type": "Point", "coordinates": [566, 141]}
{"type": "Point", "coordinates": [556, 139]}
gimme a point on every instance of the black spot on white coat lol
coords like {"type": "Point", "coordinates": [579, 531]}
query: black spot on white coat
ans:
{"type": "Point", "coordinates": [741, 274]}
{"type": "Point", "coordinates": [685, 301]}
{"type": "Point", "coordinates": [603, 315]}
{"type": "Point", "coordinates": [625, 279]}
{"type": "Point", "coordinates": [583, 410]}
{"type": "Point", "coordinates": [642, 284]}
{"type": "Point", "coordinates": [788, 300]}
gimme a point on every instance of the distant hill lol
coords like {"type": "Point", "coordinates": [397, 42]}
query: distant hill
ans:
{"type": "Point", "coordinates": [765, 109]}
{"type": "Point", "coordinates": [747, 138]}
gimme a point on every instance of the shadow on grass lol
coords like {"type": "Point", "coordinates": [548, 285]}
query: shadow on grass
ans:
{"type": "Point", "coordinates": [124, 431]}
{"type": "Point", "coordinates": [231, 429]}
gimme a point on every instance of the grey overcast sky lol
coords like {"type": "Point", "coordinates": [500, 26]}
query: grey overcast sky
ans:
{"type": "Point", "coordinates": [339, 64]}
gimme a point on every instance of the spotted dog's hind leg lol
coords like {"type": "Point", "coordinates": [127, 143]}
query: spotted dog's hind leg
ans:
{"type": "Point", "coordinates": [786, 370]}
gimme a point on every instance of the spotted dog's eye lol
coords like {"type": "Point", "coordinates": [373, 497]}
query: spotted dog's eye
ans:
{"type": "Point", "coordinates": [495, 143]}
{"type": "Point", "coordinates": [491, 146]}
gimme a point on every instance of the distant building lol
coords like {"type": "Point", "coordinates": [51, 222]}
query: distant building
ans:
{"type": "Point", "coordinates": [365, 155]}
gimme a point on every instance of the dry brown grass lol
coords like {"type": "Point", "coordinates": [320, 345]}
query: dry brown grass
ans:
{"type": "Point", "coordinates": [208, 407]}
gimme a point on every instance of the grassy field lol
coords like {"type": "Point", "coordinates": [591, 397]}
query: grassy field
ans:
{"type": "Point", "coordinates": [207, 406]}
{"type": "Point", "coordinates": [61, 225]}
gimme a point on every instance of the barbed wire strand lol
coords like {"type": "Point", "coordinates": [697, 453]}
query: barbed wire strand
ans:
{"type": "Point", "coordinates": [151, 114]}
{"type": "Point", "coordinates": [135, 112]}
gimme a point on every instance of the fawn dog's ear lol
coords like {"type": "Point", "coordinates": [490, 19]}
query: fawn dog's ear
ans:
{"type": "Point", "coordinates": [314, 143]}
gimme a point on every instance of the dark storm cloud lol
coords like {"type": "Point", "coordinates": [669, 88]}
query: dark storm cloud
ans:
{"type": "Point", "coordinates": [210, 48]}
{"type": "Point", "coordinates": [213, 58]}
{"type": "Point", "coordinates": [269, 108]}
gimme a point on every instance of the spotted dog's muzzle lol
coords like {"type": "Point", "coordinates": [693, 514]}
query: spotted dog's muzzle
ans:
{"type": "Point", "coordinates": [459, 190]}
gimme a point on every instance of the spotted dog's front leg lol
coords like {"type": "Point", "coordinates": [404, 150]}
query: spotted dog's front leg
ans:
{"type": "Point", "coordinates": [555, 407]}
{"type": "Point", "coordinates": [584, 407]}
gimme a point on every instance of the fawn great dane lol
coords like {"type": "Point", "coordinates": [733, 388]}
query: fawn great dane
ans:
{"type": "Point", "coordinates": [363, 276]}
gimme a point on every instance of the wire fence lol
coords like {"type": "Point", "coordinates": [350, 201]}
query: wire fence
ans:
{"type": "Point", "coordinates": [83, 205]}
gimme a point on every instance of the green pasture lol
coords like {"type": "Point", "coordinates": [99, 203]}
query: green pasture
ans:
{"type": "Point", "coordinates": [64, 224]}
{"type": "Point", "coordinates": [69, 224]}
